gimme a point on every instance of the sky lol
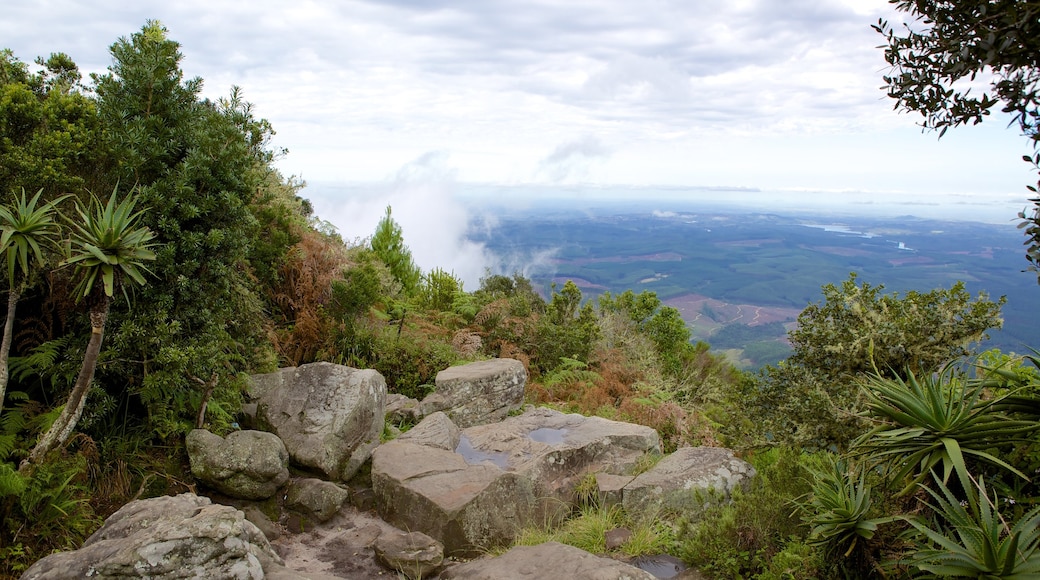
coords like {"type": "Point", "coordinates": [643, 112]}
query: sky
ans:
{"type": "Point", "coordinates": [416, 99]}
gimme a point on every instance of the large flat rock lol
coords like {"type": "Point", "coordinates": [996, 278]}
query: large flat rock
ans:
{"type": "Point", "coordinates": [478, 393]}
{"type": "Point", "coordinates": [499, 477]}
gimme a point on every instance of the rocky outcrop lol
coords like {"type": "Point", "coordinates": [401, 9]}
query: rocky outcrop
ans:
{"type": "Point", "coordinates": [688, 479]}
{"type": "Point", "coordinates": [329, 416]}
{"type": "Point", "coordinates": [549, 560]}
{"type": "Point", "coordinates": [498, 478]}
{"type": "Point", "coordinates": [183, 536]}
{"type": "Point", "coordinates": [245, 464]}
{"type": "Point", "coordinates": [478, 393]}
{"type": "Point", "coordinates": [415, 555]}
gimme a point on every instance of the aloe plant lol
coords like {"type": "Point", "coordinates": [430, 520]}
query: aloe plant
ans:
{"type": "Point", "coordinates": [971, 539]}
{"type": "Point", "coordinates": [936, 421]}
{"type": "Point", "coordinates": [838, 510]}
{"type": "Point", "coordinates": [25, 231]}
{"type": "Point", "coordinates": [108, 248]}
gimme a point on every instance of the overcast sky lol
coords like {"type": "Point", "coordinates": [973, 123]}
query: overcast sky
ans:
{"type": "Point", "coordinates": [758, 93]}
{"type": "Point", "coordinates": [753, 93]}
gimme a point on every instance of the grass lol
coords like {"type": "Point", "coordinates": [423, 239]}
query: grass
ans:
{"type": "Point", "coordinates": [588, 527]}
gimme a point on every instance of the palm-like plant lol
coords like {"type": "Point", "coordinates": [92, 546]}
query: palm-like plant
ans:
{"type": "Point", "coordinates": [936, 421]}
{"type": "Point", "coordinates": [107, 248]}
{"type": "Point", "coordinates": [975, 541]}
{"type": "Point", "coordinates": [25, 232]}
{"type": "Point", "coordinates": [838, 511]}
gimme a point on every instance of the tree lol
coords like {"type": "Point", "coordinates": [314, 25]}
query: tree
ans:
{"type": "Point", "coordinates": [950, 45]}
{"type": "Point", "coordinates": [813, 398]}
{"type": "Point", "coordinates": [50, 135]}
{"type": "Point", "coordinates": [108, 248]}
{"type": "Point", "coordinates": [26, 231]}
{"type": "Point", "coordinates": [857, 329]}
{"type": "Point", "coordinates": [388, 245]}
{"type": "Point", "coordinates": [198, 165]}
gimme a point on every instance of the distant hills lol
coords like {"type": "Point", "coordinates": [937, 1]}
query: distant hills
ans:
{"type": "Point", "coordinates": [740, 278]}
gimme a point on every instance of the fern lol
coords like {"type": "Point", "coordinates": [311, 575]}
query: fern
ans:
{"type": "Point", "coordinates": [45, 361]}
{"type": "Point", "coordinates": [570, 371]}
{"type": "Point", "coordinates": [11, 483]}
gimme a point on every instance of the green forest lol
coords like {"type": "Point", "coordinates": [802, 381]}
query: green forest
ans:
{"type": "Point", "coordinates": [155, 258]}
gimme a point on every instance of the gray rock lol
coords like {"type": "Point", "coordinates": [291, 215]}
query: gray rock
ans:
{"type": "Point", "coordinates": [329, 416]}
{"type": "Point", "coordinates": [245, 464]}
{"type": "Point", "coordinates": [611, 488]}
{"type": "Point", "coordinates": [436, 430]}
{"type": "Point", "coordinates": [402, 410]}
{"type": "Point", "coordinates": [466, 507]}
{"type": "Point", "coordinates": [183, 536]}
{"type": "Point", "coordinates": [478, 393]}
{"type": "Point", "coordinates": [317, 498]}
{"type": "Point", "coordinates": [271, 530]}
{"type": "Point", "coordinates": [549, 560]}
{"type": "Point", "coordinates": [688, 479]}
{"type": "Point", "coordinates": [414, 554]}
{"type": "Point", "coordinates": [501, 477]}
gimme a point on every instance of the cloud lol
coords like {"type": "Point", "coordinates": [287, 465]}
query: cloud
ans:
{"type": "Point", "coordinates": [571, 161]}
{"type": "Point", "coordinates": [435, 224]}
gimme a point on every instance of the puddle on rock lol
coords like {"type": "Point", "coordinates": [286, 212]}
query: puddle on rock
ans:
{"type": "Point", "coordinates": [476, 456]}
{"type": "Point", "coordinates": [547, 435]}
{"type": "Point", "coordinates": [661, 566]}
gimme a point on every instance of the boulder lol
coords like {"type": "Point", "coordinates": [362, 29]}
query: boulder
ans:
{"type": "Point", "coordinates": [414, 554]}
{"type": "Point", "coordinates": [329, 416]}
{"type": "Point", "coordinates": [498, 478]}
{"type": "Point", "coordinates": [478, 393]}
{"type": "Point", "coordinates": [245, 464]}
{"type": "Point", "coordinates": [465, 507]}
{"type": "Point", "coordinates": [317, 498]}
{"type": "Point", "coordinates": [184, 536]}
{"type": "Point", "coordinates": [549, 560]}
{"type": "Point", "coordinates": [436, 430]}
{"type": "Point", "coordinates": [688, 479]}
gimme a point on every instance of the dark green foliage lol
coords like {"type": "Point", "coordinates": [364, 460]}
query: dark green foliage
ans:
{"type": "Point", "coordinates": [198, 166]}
{"type": "Point", "coordinates": [50, 134]}
{"type": "Point", "coordinates": [839, 512]}
{"type": "Point", "coordinates": [49, 510]}
{"type": "Point", "coordinates": [567, 330]}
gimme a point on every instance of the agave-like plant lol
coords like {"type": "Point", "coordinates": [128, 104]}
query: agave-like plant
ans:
{"type": "Point", "coordinates": [107, 248]}
{"type": "Point", "coordinates": [838, 510]}
{"type": "Point", "coordinates": [25, 230]}
{"type": "Point", "coordinates": [936, 421]}
{"type": "Point", "coordinates": [970, 538]}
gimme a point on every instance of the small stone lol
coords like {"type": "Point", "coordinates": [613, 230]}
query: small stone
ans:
{"type": "Point", "coordinates": [616, 538]}
{"type": "Point", "coordinates": [414, 554]}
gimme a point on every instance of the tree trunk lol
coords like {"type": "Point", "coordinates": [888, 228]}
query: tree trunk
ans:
{"type": "Point", "coordinates": [63, 427]}
{"type": "Point", "coordinates": [5, 348]}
